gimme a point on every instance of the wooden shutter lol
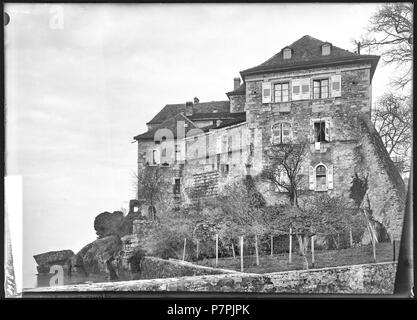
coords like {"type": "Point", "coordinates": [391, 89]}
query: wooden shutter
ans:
{"type": "Point", "coordinates": [312, 133]}
{"type": "Point", "coordinates": [296, 89]}
{"type": "Point", "coordinates": [336, 81]}
{"type": "Point", "coordinates": [219, 144]}
{"type": "Point", "coordinates": [286, 138]}
{"type": "Point", "coordinates": [311, 178]}
{"type": "Point", "coordinates": [327, 130]}
{"type": "Point", "coordinates": [305, 88]}
{"type": "Point", "coordinates": [266, 92]}
{"type": "Point", "coordinates": [330, 177]}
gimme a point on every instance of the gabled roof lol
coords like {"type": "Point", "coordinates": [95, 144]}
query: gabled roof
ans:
{"type": "Point", "coordinates": [307, 53]}
{"type": "Point", "coordinates": [227, 119]}
{"type": "Point", "coordinates": [170, 110]}
{"type": "Point", "coordinates": [170, 124]}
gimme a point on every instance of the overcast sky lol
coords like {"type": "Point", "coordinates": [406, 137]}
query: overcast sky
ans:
{"type": "Point", "coordinates": [77, 95]}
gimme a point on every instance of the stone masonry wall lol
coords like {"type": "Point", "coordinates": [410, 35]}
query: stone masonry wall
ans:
{"type": "Point", "coordinates": [152, 267]}
{"type": "Point", "coordinates": [376, 278]}
{"type": "Point", "coordinates": [386, 189]}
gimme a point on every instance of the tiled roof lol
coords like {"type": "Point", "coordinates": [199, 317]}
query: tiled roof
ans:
{"type": "Point", "coordinates": [170, 124]}
{"type": "Point", "coordinates": [170, 110]}
{"type": "Point", "coordinates": [238, 91]}
{"type": "Point", "coordinates": [227, 119]}
{"type": "Point", "coordinates": [306, 52]}
{"type": "Point", "coordinates": [213, 116]}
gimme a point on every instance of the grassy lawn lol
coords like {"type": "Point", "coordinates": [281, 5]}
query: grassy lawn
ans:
{"type": "Point", "coordinates": [323, 258]}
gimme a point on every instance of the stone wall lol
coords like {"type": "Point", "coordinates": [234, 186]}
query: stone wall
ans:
{"type": "Point", "coordinates": [376, 278]}
{"type": "Point", "coordinates": [152, 267]}
{"type": "Point", "coordinates": [386, 189]}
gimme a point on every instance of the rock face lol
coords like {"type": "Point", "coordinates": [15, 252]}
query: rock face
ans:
{"type": "Point", "coordinates": [98, 257]}
{"type": "Point", "coordinates": [48, 259]}
{"type": "Point", "coordinates": [107, 223]}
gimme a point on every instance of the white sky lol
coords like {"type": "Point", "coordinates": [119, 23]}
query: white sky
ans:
{"type": "Point", "coordinates": [76, 96]}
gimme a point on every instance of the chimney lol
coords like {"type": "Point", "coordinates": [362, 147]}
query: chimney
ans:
{"type": "Point", "coordinates": [236, 83]}
{"type": "Point", "coordinates": [196, 100]}
{"type": "Point", "coordinates": [359, 48]}
{"type": "Point", "coordinates": [189, 108]}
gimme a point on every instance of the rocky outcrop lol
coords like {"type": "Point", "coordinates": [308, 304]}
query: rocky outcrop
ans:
{"type": "Point", "coordinates": [98, 257]}
{"type": "Point", "coordinates": [46, 260]}
{"type": "Point", "coordinates": [107, 223]}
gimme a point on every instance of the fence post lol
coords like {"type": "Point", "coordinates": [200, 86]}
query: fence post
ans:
{"type": "Point", "coordinates": [197, 248]}
{"type": "Point", "coordinates": [241, 254]}
{"type": "Point", "coordinates": [217, 249]}
{"type": "Point", "coordinates": [290, 252]}
{"type": "Point", "coordinates": [256, 250]}
{"type": "Point", "coordinates": [393, 250]}
{"type": "Point", "coordinates": [272, 246]}
{"type": "Point", "coordinates": [183, 252]}
{"type": "Point", "coordinates": [233, 250]}
{"type": "Point", "coordinates": [312, 250]}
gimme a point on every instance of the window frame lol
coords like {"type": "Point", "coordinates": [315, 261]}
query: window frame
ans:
{"type": "Point", "coordinates": [316, 188]}
{"type": "Point", "coordinates": [320, 87]}
{"type": "Point", "coordinates": [281, 134]}
{"type": "Point", "coordinates": [281, 83]}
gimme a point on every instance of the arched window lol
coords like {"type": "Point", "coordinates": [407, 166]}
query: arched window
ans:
{"type": "Point", "coordinates": [321, 183]}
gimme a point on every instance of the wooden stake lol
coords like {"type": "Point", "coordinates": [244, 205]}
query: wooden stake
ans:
{"type": "Point", "coordinates": [393, 251]}
{"type": "Point", "coordinates": [241, 254]}
{"type": "Point", "coordinates": [256, 250]}
{"type": "Point", "coordinates": [183, 252]}
{"type": "Point", "coordinates": [350, 236]}
{"type": "Point", "coordinates": [272, 246]}
{"type": "Point", "coordinates": [197, 248]}
{"type": "Point", "coordinates": [233, 250]}
{"type": "Point", "coordinates": [312, 251]}
{"type": "Point", "coordinates": [217, 249]}
{"type": "Point", "coordinates": [290, 252]}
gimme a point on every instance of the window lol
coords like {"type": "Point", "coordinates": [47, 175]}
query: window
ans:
{"type": "Point", "coordinates": [281, 92]}
{"type": "Point", "coordinates": [321, 183]}
{"type": "Point", "coordinates": [287, 53]}
{"type": "Point", "coordinates": [325, 49]}
{"type": "Point", "coordinates": [320, 131]}
{"type": "Point", "coordinates": [196, 153]}
{"type": "Point", "coordinates": [155, 157]}
{"type": "Point", "coordinates": [321, 89]}
{"type": "Point", "coordinates": [177, 152]}
{"type": "Point", "coordinates": [164, 152]}
{"type": "Point", "coordinates": [177, 186]}
{"type": "Point", "coordinates": [281, 133]}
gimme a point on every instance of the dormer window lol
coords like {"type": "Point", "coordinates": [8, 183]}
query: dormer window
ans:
{"type": "Point", "coordinates": [325, 49]}
{"type": "Point", "coordinates": [287, 52]}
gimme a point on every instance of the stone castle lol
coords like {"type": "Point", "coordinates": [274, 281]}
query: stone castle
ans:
{"type": "Point", "coordinates": [310, 92]}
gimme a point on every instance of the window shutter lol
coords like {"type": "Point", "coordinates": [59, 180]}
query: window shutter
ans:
{"type": "Point", "coordinates": [305, 88]}
{"type": "Point", "coordinates": [327, 130]}
{"type": "Point", "coordinates": [312, 133]}
{"type": "Point", "coordinates": [219, 145]}
{"type": "Point", "coordinates": [311, 178]}
{"type": "Point", "coordinates": [336, 85]}
{"type": "Point", "coordinates": [330, 177]}
{"type": "Point", "coordinates": [158, 156]}
{"type": "Point", "coordinates": [286, 128]}
{"type": "Point", "coordinates": [296, 89]}
{"type": "Point", "coordinates": [266, 92]}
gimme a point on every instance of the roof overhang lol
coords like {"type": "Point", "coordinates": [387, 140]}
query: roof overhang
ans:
{"type": "Point", "coordinates": [312, 64]}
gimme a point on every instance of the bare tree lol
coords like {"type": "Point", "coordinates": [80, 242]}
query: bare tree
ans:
{"type": "Point", "coordinates": [151, 184]}
{"type": "Point", "coordinates": [391, 32]}
{"type": "Point", "coordinates": [284, 168]}
{"type": "Point", "coordinates": [392, 119]}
